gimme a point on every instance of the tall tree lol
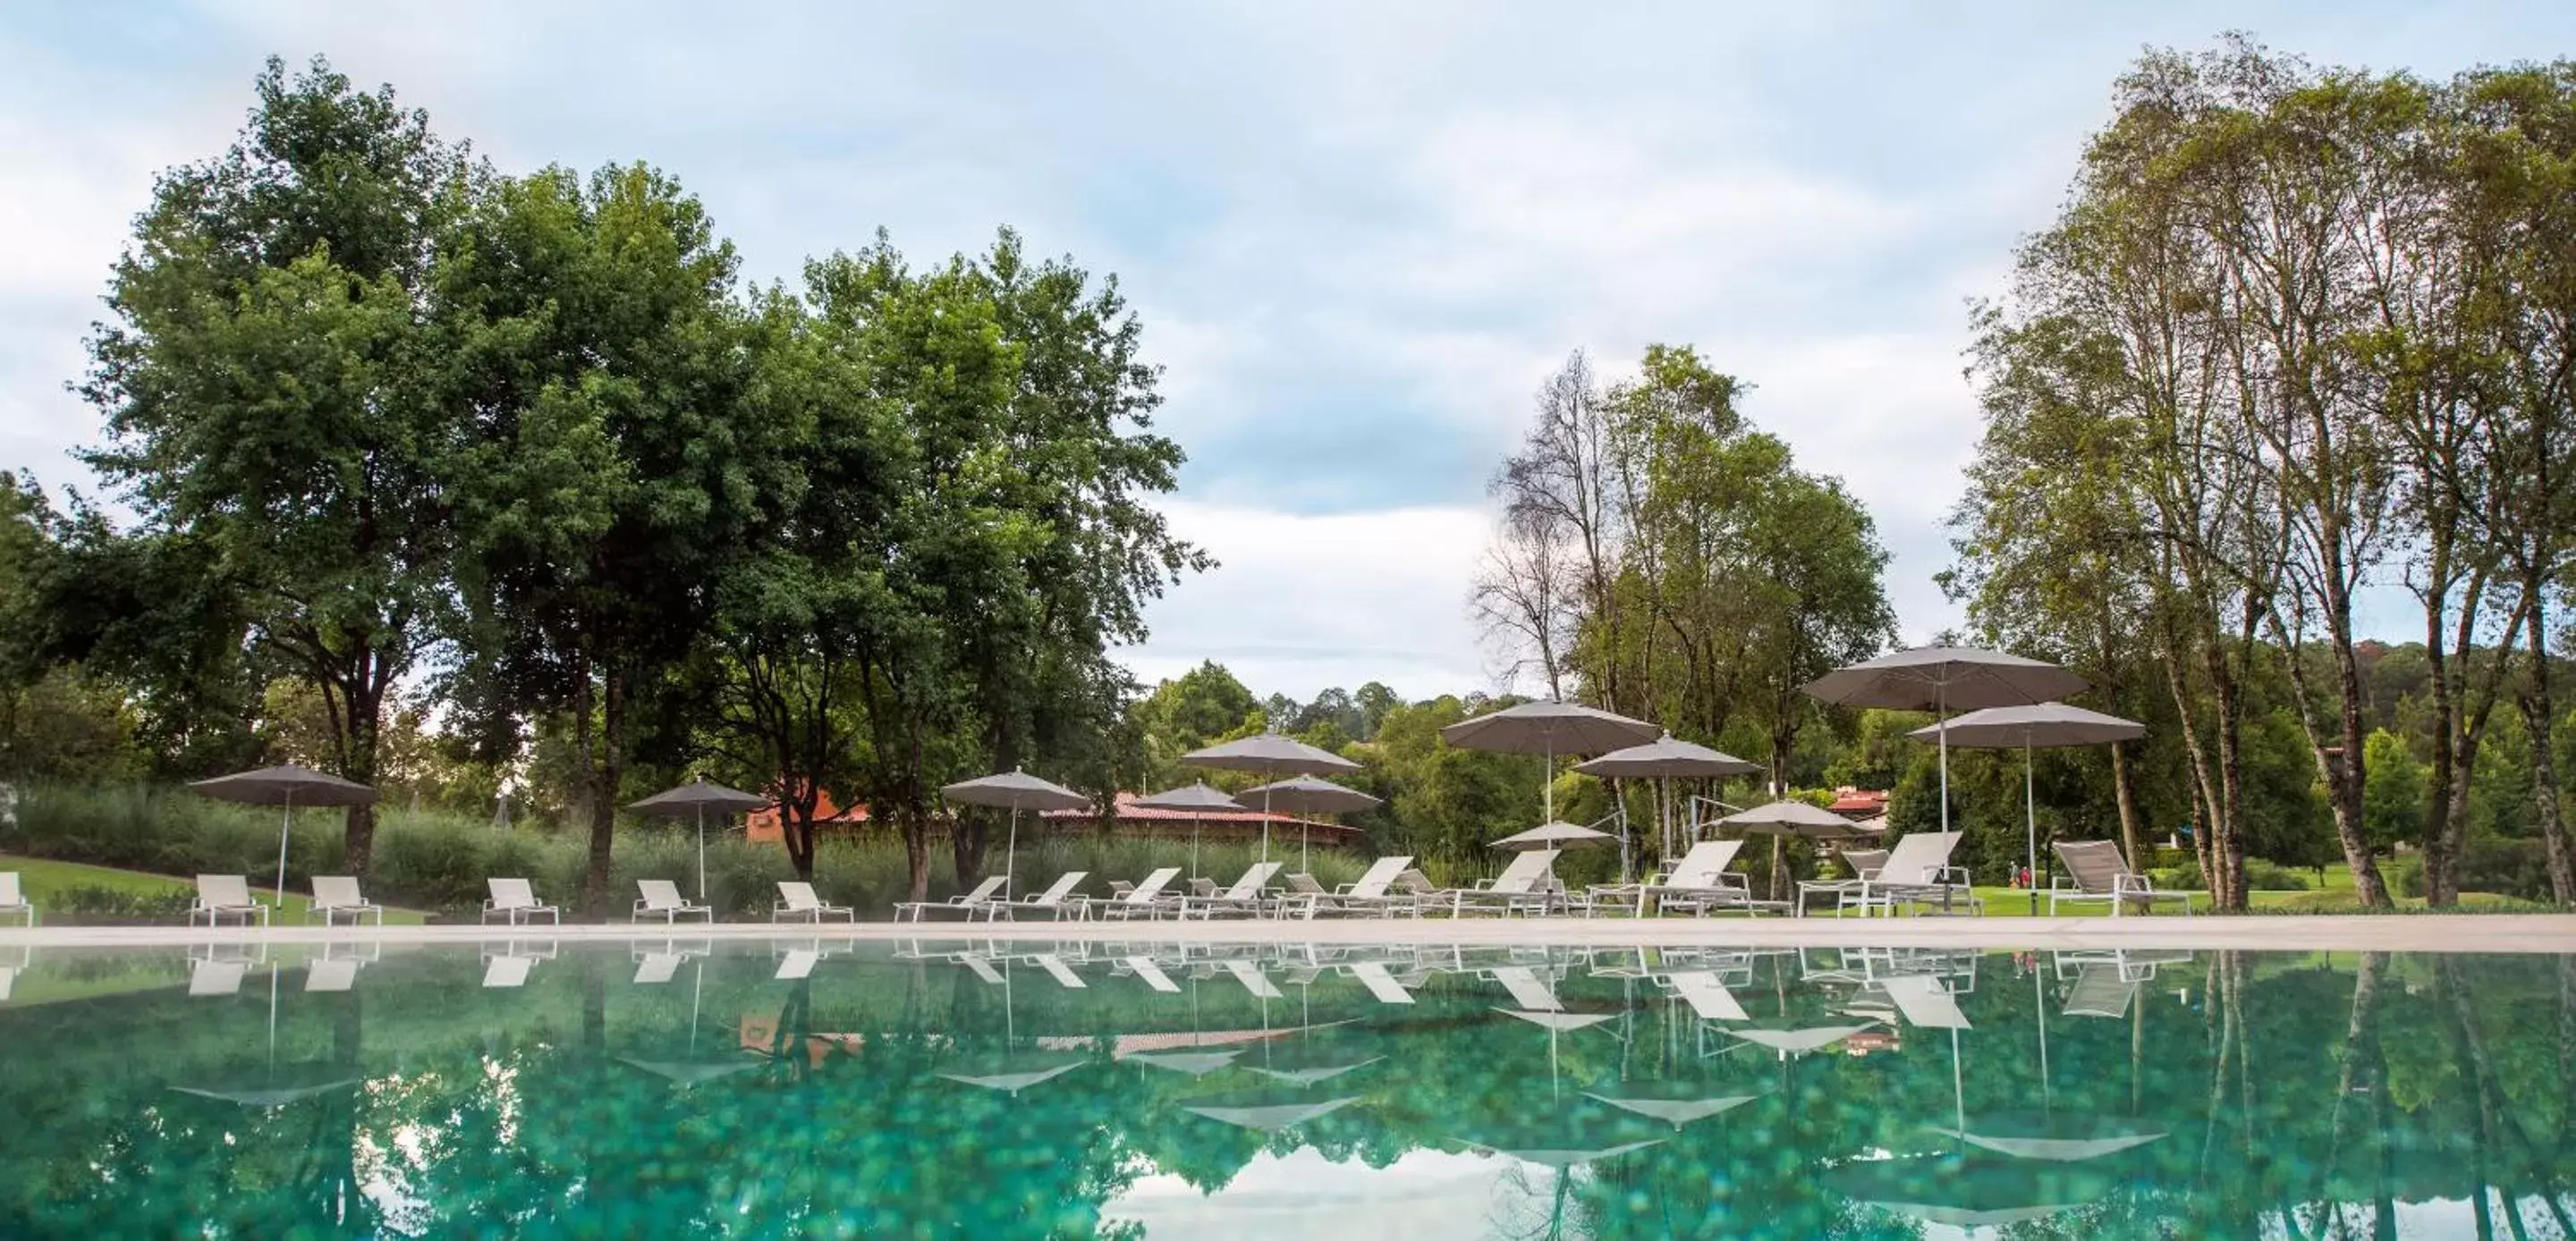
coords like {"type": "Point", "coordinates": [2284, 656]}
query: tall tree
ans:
{"type": "Point", "coordinates": [269, 387]}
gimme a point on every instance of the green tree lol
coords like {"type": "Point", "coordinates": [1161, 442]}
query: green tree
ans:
{"type": "Point", "coordinates": [270, 390]}
{"type": "Point", "coordinates": [2395, 800]}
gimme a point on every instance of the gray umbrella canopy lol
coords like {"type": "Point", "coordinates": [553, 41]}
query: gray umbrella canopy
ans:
{"type": "Point", "coordinates": [1271, 755]}
{"type": "Point", "coordinates": [2045, 725]}
{"type": "Point", "coordinates": [1547, 727]}
{"type": "Point", "coordinates": [1268, 1112]}
{"type": "Point", "coordinates": [696, 800]}
{"type": "Point", "coordinates": [289, 786]}
{"type": "Point", "coordinates": [1014, 791]}
{"type": "Point", "coordinates": [1557, 835]}
{"type": "Point", "coordinates": [1794, 818]}
{"type": "Point", "coordinates": [1665, 756]}
{"type": "Point", "coordinates": [1952, 678]}
{"type": "Point", "coordinates": [1198, 799]}
{"type": "Point", "coordinates": [1308, 795]}
{"type": "Point", "coordinates": [686, 1073]}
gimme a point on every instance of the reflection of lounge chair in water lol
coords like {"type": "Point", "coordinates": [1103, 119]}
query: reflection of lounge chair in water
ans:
{"type": "Point", "coordinates": [509, 967]}
{"type": "Point", "coordinates": [2105, 983]}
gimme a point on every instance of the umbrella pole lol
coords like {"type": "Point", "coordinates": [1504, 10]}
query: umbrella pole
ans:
{"type": "Point", "coordinates": [1547, 785]}
{"type": "Point", "coordinates": [1011, 853]}
{"type": "Point", "coordinates": [702, 854]}
{"type": "Point", "coordinates": [2030, 824]}
{"type": "Point", "coordinates": [285, 824]}
{"type": "Point", "coordinates": [1941, 711]}
{"type": "Point", "coordinates": [1265, 823]}
{"type": "Point", "coordinates": [1626, 872]}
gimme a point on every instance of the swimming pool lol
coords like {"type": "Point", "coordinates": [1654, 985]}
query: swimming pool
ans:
{"type": "Point", "coordinates": [1062, 1089]}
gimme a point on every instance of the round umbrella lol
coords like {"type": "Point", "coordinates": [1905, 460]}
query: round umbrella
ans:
{"type": "Point", "coordinates": [1661, 759]}
{"type": "Point", "coordinates": [2047, 725]}
{"type": "Point", "coordinates": [1198, 799]}
{"type": "Point", "coordinates": [692, 801]}
{"type": "Point", "coordinates": [687, 1073]}
{"type": "Point", "coordinates": [1266, 1111]}
{"type": "Point", "coordinates": [285, 786]}
{"type": "Point", "coordinates": [1269, 754]}
{"type": "Point", "coordinates": [2053, 1138]}
{"type": "Point", "coordinates": [1941, 679]}
{"type": "Point", "coordinates": [1303, 795]}
{"type": "Point", "coordinates": [1558, 835]}
{"type": "Point", "coordinates": [1015, 791]}
{"type": "Point", "coordinates": [1783, 819]}
{"type": "Point", "coordinates": [1548, 728]}
{"type": "Point", "coordinates": [1965, 1192]}
{"type": "Point", "coordinates": [1675, 1103]}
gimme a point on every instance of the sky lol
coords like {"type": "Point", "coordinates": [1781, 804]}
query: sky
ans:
{"type": "Point", "coordinates": [1358, 235]}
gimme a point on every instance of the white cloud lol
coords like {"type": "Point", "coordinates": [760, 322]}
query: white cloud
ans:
{"type": "Point", "coordinates": [1302, 603]}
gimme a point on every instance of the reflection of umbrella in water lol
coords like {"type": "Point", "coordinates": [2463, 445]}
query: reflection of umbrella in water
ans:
{"type": "Point", "coordinates": [692, 801]}
{"type": "Point", "coordinates": [273, 1086]}
{"type": "Point", "coordinates": [687, 1073]}
{"type": "Point", "coordinates": [1314, 1073]}
{"type": "Point", "coordinates": [1014, 1080]}
{"type": "Point", "coordinates": [1196, 1063]}
{"type": "Point", "coordinates": [1967, 1192]}
{"type": "Point", "coordinates": [1267, 1111]}
{"type": "Point", "coordinates": [1198, 799]}
{"type": "Point", "coordinates": [286, 787]}
{"type": "Point", "coordinates": [1797, 1040]}
{"type": "Point", "coordinates": [1676, 1103]}
{"type": "Point", "coordinates": [1305, 795]}
{"type": "Point", "coordinates": [2053, 1138]}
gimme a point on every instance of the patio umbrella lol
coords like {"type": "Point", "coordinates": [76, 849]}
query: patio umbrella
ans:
{"type": "Point", "coordinates": [1012, 1081]}
{"type": "Point", "coordinates": [1661, 759]}
{"type": "Point", "coordinates": [687, 1073]}
{"type": "Point", "coordinates": [692, 801]}
{"type": "Point", "coordinates": [1304, 795]}
{"type": "Point", "coordinates": [1316, 1073]}
{"type": "Point", "coordinates": [2046, 725]}
{"type": "Point", "coordinates": [1548, 728]}
{"type": "Point", "coordinates": [285, 786]}
{"type": "Point", "coordinates": [1943, 679]}
{"type": "Point", "coordinates": [1782, 819]}
{"type": "Point", "coordinates": [1015, 791]}
{"type": "Point", "coordinates": [1675, 1103]}
{"type": "Point", "coordinates": [1269, 754]}
{"type": "Point", "coordinates": [2052, 1138]}
{"type": "Point", "coordinates": [272, 1086]}
{"type": "Point", "coordinates": [1559, 835]}
{"type": "Point", "coordinates": [1198, 799]}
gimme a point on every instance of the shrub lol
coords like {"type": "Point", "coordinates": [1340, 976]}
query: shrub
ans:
{"type": "Point", "coordinates": [2505, 866]}
{"type": "Point", "coordinates": [2264, 875]}
{"type": "Point", "coordinates": [90, 902]}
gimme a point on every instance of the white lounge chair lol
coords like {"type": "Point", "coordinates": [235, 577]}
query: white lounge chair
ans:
{"type": "Point", "coordinates": [661, 898]}
{"type": "Point", "coordinates": [1144, 900]}
{"type": "Point", "coordinates": [966, 904]}
{"type": "Point", "coordinates": [797, 899]}
{"type": "Point", "coordinates": [516, 902]}
{"type": "Point", "coordinates": [1525, 886]}
{"type": "Point", "coordinates": [2095, 871]}
{"type": "Point", "coordinates": [334, 895]}
{"type": "Point", "coordinates": [1863, 865]}
{"type": "Point", "coordinates": [1372, 893]}
{"type": "Point", "coordinates": [1700, 882]}
{"type": "Point", "coordinates": [1056, 901]}
{"type": "Point", "coordinates": [1243, 898]}
{"type": "Point", "coordinates": [14, 901]}
{"type": "Point", "coordinates": [1917, 871]}
{"type": "Point", "coordinates": [225, 896]}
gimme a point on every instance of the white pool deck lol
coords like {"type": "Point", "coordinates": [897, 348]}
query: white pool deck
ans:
{"type": "Point", "coordinates": [2484, 933]}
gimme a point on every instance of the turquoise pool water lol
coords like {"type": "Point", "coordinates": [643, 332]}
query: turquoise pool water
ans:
{"type": "Point", "coordinates": [959, 1088]}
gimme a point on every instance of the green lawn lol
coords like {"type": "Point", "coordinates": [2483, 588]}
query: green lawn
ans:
{"type": "Point", "coordinates": [45, 881]}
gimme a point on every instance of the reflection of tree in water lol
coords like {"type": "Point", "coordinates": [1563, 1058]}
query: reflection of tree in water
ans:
{"type": "Point", "coordinates": [2314, 1094]}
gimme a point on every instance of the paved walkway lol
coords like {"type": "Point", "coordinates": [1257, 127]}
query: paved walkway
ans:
{"type": "Point", "coordinates": [2520, 933]}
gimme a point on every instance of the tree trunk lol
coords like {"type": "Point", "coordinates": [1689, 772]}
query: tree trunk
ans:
{"type": "Point", "coordinates": [603, 808]}
{"type": "Point", "coordinates": [358, 831]}
{"type": "Point", "coordinates": [916, 853]}
{"type": "Point", "coordinates": [2127, 800]}
{"type": "Point", "coordinates": [2358, 854]}
{"type": "Point", "coordinates": [2538, 717]}
{"type": "Point", "coordinates": [2441, 884]}
{"type": "Point", "coordinates": [2227, 849]}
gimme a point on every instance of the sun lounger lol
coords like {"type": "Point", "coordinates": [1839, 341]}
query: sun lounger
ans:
{"type": "Point", "coordinates": [14, 901]}
{"type": "Point", "coordinates": [1056, 901]}
{"type": "Point", "coordinates": [1916, 872]}
{"type": "Point", "coordinates": [1863, 865]}
{"type": "Point", "coordinates": [1253, 979]}
{"type": "Point", "coordinates": [1145, 900]}
{"type": "Point", "coordinates": [1924, 1002]}
{"type": "Point", "coordinates": [653, 968]}
{"type": "Point", "coordinates": [516, 902]}
{"type": "Point", "coordinates": [1056, 969]}
{"type": "Point", "coordinates": [331, 974]}
{"type": "Point", "coordinates": [798, 900]}
{"type": "Point", "coordinates": [225, 896]}
{"type": "Point", "coordinates": [1700, 883]}
{"type": "Point", "coordinates": [1374, 892]}
{"type": "Point", "coordinates": [2095, 871]}
{"type": "Point", "coordinates": [661, 898]}
{"type": "Point", "coordinates": [1244, 899]}
{"type": "Point", "coordinates": [964, 904]}
{"type": "Point", "coordinates": [1525, 886]}
{"type": "Point", "coordinates": [334, 895]}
